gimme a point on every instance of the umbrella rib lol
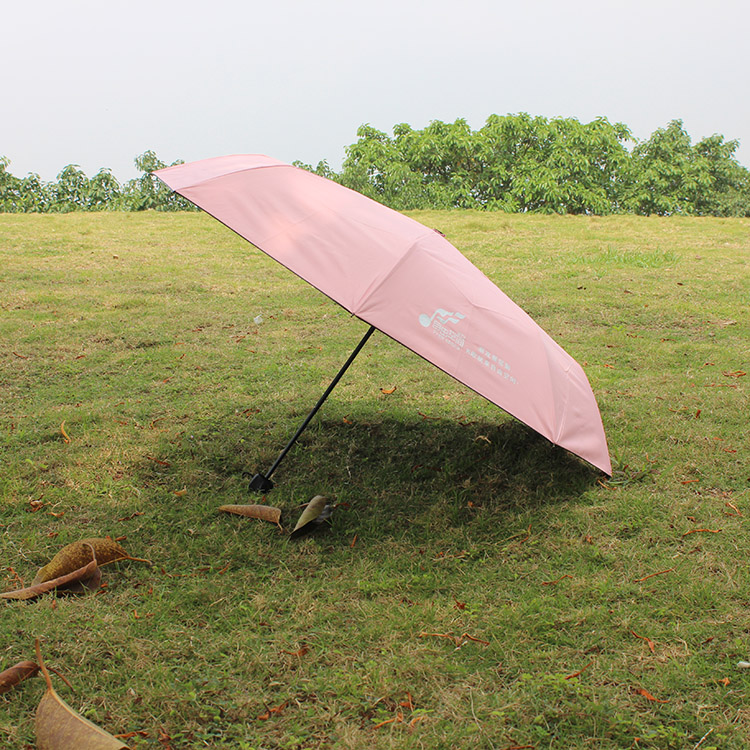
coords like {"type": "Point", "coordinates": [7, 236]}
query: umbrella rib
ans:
{"type": "Point", "coordinates": [371, 290]}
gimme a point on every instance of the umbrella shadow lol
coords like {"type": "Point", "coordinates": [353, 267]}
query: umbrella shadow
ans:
{"type": "Point", "coordinates": [406, 466]}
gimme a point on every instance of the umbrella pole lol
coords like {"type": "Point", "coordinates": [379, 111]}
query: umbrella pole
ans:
{"type": "Point", "coordinates": [262, 482]}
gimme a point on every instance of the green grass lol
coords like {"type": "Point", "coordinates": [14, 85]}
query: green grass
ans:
{"type": "Point", "coordinates": [137, 331]}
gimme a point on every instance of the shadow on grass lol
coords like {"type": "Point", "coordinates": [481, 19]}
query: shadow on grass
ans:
{"type": "Point", "coordinates": [391, 475]}
{"type": "Point", "coordinates": [424, 471]}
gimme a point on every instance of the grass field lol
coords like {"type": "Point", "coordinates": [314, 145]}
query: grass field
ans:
{"type": "Point", "coordinates": [478, 588]}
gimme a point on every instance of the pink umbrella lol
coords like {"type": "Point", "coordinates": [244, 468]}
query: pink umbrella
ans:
{"type": "Point", "coordinates": [405, 280]}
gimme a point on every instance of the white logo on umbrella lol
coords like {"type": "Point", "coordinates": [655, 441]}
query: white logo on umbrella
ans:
{"type": "Point", "coordinates": [439, 321]}
{"type": "Point", "coordinates": [443, 317]}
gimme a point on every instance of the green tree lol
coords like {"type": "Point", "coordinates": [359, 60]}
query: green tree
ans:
{"type": "Point", "coordinates": [444, 156]}
{"type": "Point", "coordinates": [560, 165]}
{"type": "Point", "coordinates": [34, 195]}
{"type": "Point", "coordinates": [104, 191]}
{"type": "Point", "coordinates": [730, 181]}
{"type": "Point", "coordinates": [513, 163]}
{"type": "Point", "coordinates": [148, 191]}
{"type": "Point", "coordinates": [71, 191]}
{"type": "Point", "coordinates": [375, 168]}
{"type": "Point", "coordinates": [670, 175]}
{"type": "Point", "coordinates": [9, 188]}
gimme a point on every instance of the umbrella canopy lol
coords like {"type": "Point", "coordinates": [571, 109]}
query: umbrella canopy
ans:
{"type": "Point", "coordinates": [407, 281]}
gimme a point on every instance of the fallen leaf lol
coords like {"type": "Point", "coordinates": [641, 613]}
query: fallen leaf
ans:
{"type": "Point", "coordinates": [65, 436]}
{"type": "Point", "coordinates": [59, 727]}
{"type": "Point", "coordinates": [315, 513]}
{"type": "Point", "coordinates": [408, 703]}
{"type": "Point", "coordinates": [181, 493]}
{"type": "Point", "coordinates": [10, 677]}
{"type": "Point", "coordinates": [261, 512]}
{"type": "Point", "coordinates": [557, 580]}
{"type": "Point", "coordinates": [647, 695]}
{"type": "Point", "coordinates": [15, 576]}
{"type": "Point", "coordinates": [31, 592]}
{"type": "Point", "coordinates": [388, 391]}
{"type": "Point", "coordinates": [735, 374]}
{"type": "Point", "coordinates": [304, 649]}
{"type": "Point", "coordinates": [82, 585]}
{"type": "Point", "coordinates": [709, 531]}
{"type": "Point", "coordinates": [131, 516]}
{"type": "Point", "coordinates": [650, 643]}
{"type": "Point", "coordinates": [724, 681]}
{"type": "Point", "coordinates": [271, 711]}
{"type": "Point", "coordinates": [73, 556]}
{"type": "Point", "coordinates": [158, 461]}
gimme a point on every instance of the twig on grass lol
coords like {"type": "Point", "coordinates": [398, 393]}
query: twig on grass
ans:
{"type": "Point", "coordinates": [651, 575]}
{"type": "Point", "coordinates": [702, 739]}
{"type": "Point", "coordinates": [557, 580]}
{"type": "Point", "coordinates": [459, 640]}
{"type": "Point", "coordinates": [580, 671]}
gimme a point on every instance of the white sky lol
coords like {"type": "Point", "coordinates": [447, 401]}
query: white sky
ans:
{"type": "Point", "coordinates": [96, 83]}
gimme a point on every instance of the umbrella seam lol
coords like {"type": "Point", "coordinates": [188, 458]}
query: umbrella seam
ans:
{"type": "Point", "coordinates": [372, 289]}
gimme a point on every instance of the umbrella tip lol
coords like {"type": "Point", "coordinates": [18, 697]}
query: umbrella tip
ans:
{"type": "Point", "coordinates": [260, 483]}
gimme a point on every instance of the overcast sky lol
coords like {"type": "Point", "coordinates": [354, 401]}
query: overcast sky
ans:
{"type": "Point", "coordinates": [96, 83]}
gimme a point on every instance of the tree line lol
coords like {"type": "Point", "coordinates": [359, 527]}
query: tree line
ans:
{"type": "Point", "coordinates": [74, 191]}
{"type": "Point", "coordinates": [513, 163]}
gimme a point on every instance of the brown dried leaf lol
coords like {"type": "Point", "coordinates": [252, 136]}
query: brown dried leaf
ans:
{"type": "Point", "coordinates": [77, 554]}
{"type": "Point", "coordinates": [316, 511]}
{"type": "Point", "coordinates": [651, 644]}
{"type": "Point", "coordinates": [261, 512]}
{"type": "Point", "coordinates": [83, 585]}
{"type": "Point", "coordinates": [37, 589]}
{"type": "Point", "coordinates": [266, 715]}
{"type": "Point", "coordinates": [59, 727]}
{"type": "Point", "coordinates": [10, 677]}
{"type": "Point", "coordinates": [647, 695]}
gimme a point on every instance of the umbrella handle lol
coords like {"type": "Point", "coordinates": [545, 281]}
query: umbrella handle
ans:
{"type": "Point", "coordinates": [262, 482]}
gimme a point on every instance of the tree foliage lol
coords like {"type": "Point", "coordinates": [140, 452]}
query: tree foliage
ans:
{"type": "Point", "coordinates": [519, 163]}
{"type": "Point", "coordinates": [74, 191]}
{"type": "Point", "coordinates": [514, 163]}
